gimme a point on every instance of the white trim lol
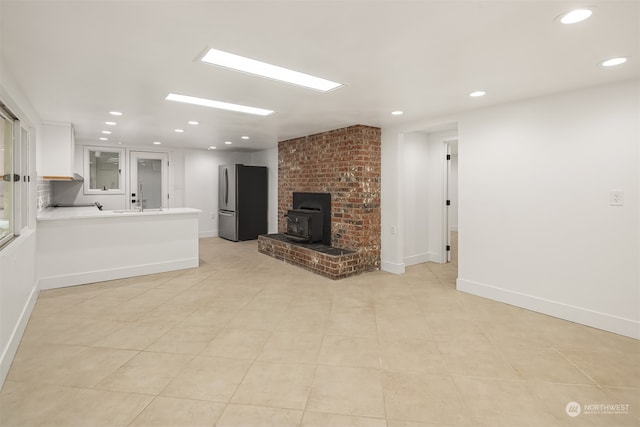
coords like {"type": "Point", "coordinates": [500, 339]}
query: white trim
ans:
{"type": "Point", "coordinates": [86, 157]}
{"type": "Point", "coordinates": [9, 352]}
{"type": "Point", "coordinates": [165, 160]}
{"type": "Point", "coordinates": [205, 234]}
{"type": "Point", "coordinates": [453, 228]}
{"type": "Point", "coordinates": [392, 267]}
{"type": "Point", "coordinates": [604, 321]}
{"type": "Point", "coordinates": [445, 231]}
{"type": "Point", "coordinates": [83, 278]}
{"type": "Point", "coordinates": [422, 258]}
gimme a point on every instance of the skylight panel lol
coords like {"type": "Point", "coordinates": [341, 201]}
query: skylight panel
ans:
{"type": "Point", "coordinates": [262, 69]}
{"type": "Point", "coordinates": [218, 104]}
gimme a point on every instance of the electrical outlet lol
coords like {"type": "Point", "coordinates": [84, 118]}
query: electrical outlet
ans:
{"type": "Point", "coordinates": [616, 198]}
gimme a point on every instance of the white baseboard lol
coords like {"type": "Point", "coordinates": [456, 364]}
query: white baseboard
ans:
{"type": "Point", "coordinates": [421, 258]}
{"type": "Point", "coordinates": [9, 352]}
{"type": "Point", "coordinates": [606, 322]}
{"type": "Point", "coordinates": [116, 273]}
{"type": "Point", "coordinates": [392, 267]}
{"type": "Point", "coordinates": [205, 234]}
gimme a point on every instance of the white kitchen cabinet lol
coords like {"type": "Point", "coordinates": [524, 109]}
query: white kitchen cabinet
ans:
{"type": "Point", "coordinates": [57, 151]}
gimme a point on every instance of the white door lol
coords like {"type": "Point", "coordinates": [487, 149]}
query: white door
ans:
{"type": "Point", "coordinates": [149, 184]}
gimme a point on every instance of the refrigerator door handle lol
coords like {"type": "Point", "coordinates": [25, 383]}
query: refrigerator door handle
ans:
{"type": "Point", "coordinates": [226, 214]}
{"type": "Point", "coordinates": [226, 186]}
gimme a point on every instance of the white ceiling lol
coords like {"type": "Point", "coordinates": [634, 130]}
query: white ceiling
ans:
{"type": "Point", "coordinates": [75, 61]}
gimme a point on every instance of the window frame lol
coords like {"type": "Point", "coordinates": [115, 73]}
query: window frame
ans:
{"type": "Point", "coordinates": [10, 213]}
{"type": "Point", "coordinates": [87, 170]}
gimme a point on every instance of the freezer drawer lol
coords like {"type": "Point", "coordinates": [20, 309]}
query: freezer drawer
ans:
{"type": "Point", "coordinates": [227, 228]}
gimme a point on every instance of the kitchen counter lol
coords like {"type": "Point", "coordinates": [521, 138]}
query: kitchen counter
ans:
{"type": "Point", "coordinates": [79, 245]}
{"type": "Point", "coordinates": [49, 214]}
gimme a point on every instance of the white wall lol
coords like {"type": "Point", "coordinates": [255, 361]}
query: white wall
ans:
{"type": "Point", "coordinates": [415, 181]}
{"type": "Point", "coordinates": [534, 184]}
{"type": "Point", "coordinates": [536, 228]}
{"type": "Point", "coordinates": [391, 201]}
{"type": "Point", "coordinates": [269, 158]}
{"type": "Point", "coordinates": [201, 184]}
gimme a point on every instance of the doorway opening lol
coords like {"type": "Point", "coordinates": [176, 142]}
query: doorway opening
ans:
{"type": "Point", "coordinates": [451, 202]}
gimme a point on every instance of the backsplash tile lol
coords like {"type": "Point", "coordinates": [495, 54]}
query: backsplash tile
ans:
{"type": "Point", "coordinates": [43, 194]}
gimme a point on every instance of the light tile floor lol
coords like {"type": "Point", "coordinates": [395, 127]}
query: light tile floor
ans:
{"type": "Point", "coordinates": [246, 340]}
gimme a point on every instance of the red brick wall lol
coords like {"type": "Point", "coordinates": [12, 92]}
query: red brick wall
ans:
{"type": "Point", "coordinates": [346, 163]}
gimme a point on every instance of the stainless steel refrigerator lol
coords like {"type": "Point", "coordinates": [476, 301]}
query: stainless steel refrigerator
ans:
{"type": "Point", "coordinates": [242, 202]}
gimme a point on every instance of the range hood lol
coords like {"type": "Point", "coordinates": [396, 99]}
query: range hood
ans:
{"type": "Point", "coordinates": [75, 177]}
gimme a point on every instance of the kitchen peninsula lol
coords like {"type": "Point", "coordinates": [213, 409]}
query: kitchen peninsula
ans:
{"type": "Point", "coordinates": [76, 246]}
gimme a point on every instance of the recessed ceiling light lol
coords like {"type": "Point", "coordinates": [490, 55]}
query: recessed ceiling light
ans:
{"type": "Point", "coordinates": [211, 148]}
{"type": "Point", "coordinates": [193, 122]}
{"type": "Point", "coordinates": [119, 142]}
{"type": "Point", "coordinates": [244, 137]}
{"type": "Point", "coordinates": [104, 139]}
{"type": "Point", "coordinates": [106, 132]}
{"type": "Point", "coordinates": [178, 130]}
{"type": "Point", "coordinates": [228, 142]}
{"type": "Point", "coordinates": [157, 142]}
{"type": "Point", "coordinates": [613, 62]}
{"type": "Point", "coordinates": [397, 113]}
{"type": "Point", "coordinates": [218, 104]}
{"type": "Point", "coordinates": [477, 93]}
{"type": "Point", "coordinates": [115, 113]}
{"type": "Point", "coordinates": [110, 123]}
{"type": "Point", "coordinates": [575, 16]}
{"type": "Point", "coordinates": [251, 66]}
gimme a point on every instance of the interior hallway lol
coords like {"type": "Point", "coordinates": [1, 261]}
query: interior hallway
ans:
{"type": "Point", "coordinates": [246, 340]}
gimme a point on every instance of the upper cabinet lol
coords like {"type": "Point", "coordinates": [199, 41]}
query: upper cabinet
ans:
{"type": "Point", "coordinates": [57, 151]}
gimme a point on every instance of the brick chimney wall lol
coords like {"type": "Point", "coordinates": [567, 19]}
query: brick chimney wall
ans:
{"type": "Point", "coordinates": [346, 163]}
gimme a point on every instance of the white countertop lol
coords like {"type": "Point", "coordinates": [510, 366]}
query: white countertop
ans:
{"type": "Point", "coordinates": [52, 214]}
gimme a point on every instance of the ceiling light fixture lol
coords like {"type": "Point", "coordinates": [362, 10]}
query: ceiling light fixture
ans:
{"type": "Point", "coordinates": [228, 142]}
{"type": "Point", "coordinates": [211, 148]}
{"type": "Point", "coordinates": [178, 130]}
{"type": "Point", "coordinates": [218, 104]}
{"type": "Point", "coordinates": [157, 143]}
{"type": "Point", "coordinates": [244, 137]}
{"type": "Point", "coordinates": [193, 123]}
{"type": "Point", "coordinates": [397, 113]}
{"type": "Point", "coordinates": [262, 69]}
{"type": "Point", "coordinates": [614, 61]}
{"type": "Point", "coordinates": [477, 93]}
{"type": "Point", "coordinates": [110, 123]}
{"type": "Point", "coordinates": [115, 113]}
{"type": "Point", "coordinates": [104, 139]}
{"type": "Point", "coordinates": [106, 132]}
{"type": "Point", "coordinates": [575, 16]}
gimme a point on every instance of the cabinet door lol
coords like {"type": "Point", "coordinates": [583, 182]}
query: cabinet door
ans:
{"type": "Point", "coordinates": [57, 151]}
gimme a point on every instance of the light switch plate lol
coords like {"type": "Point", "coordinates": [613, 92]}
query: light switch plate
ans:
{"type": "Point", "coordinates": [616, 198]}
